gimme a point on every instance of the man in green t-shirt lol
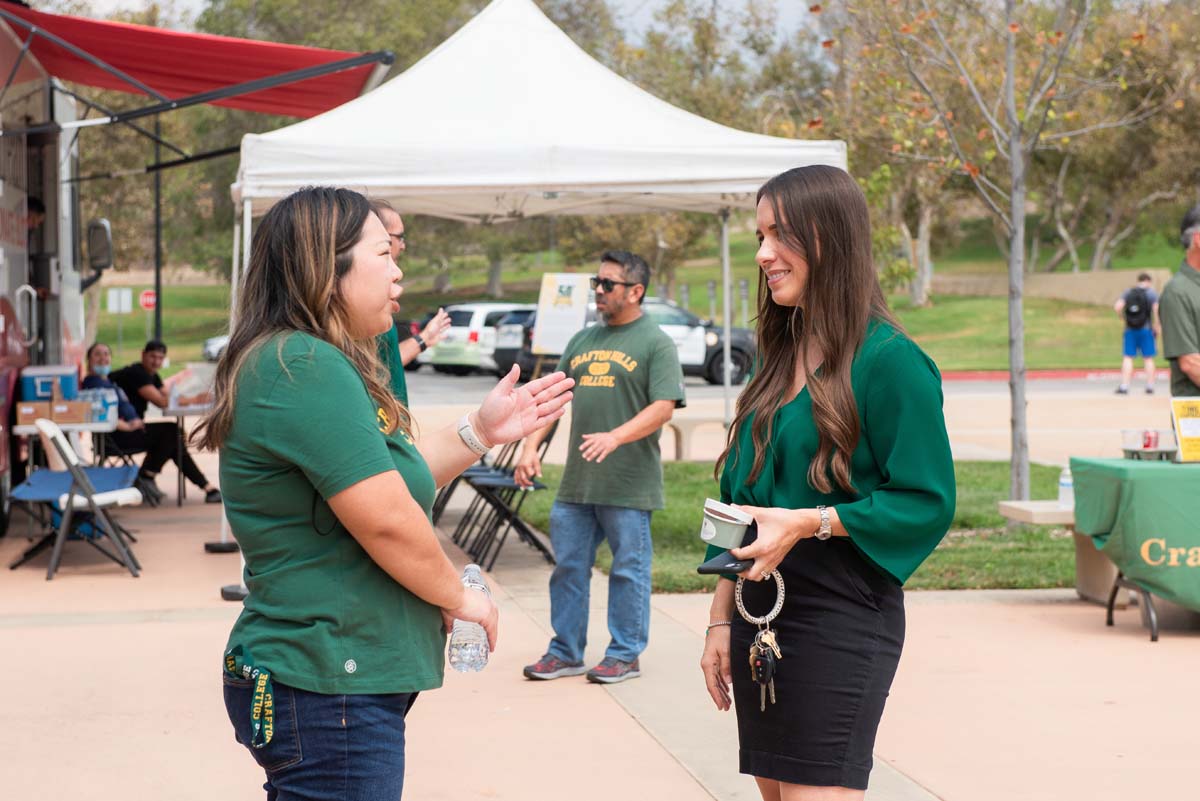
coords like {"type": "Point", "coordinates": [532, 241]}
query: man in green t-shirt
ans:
{"type": "Point", "coordinates": [393, 353]}
{"type": "Point", "coordinates": [627, 385]}
{"type": "Point", "coordinates": [1179, 312]}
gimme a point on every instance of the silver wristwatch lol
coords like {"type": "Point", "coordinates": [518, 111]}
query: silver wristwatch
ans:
{"type": "Point", "coordinates": [825, 530]}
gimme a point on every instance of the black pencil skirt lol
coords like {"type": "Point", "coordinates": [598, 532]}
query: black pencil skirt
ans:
{"type": "Point", "coordinates": [841, 631]}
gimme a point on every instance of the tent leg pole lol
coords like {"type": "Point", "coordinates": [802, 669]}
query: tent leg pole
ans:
{"type": "Point", "coordinates": [726, 291]}
{"type": "Point", "coordinates": [247, 222]}
{"type": "Point", "coordinates": [158, 254]}
{"type": "Point", "coordinates": [235, 264]}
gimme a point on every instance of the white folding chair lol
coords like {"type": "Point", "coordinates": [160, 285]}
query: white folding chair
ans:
{"type": "Point", "coordinates": [82, 496]}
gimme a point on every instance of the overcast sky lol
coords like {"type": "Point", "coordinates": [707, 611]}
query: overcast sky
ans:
{"type": "Point", "coordinates": [635, 14]}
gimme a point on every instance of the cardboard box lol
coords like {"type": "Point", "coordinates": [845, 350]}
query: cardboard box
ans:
{"type": "Point", "coordinates": [28, 411]}
{"type": "Point", "coordinates": [70, 411]}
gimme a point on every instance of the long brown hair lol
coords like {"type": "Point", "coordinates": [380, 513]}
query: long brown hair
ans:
{"type": "Point", "coordinates": [822, 215]}
{"type": "Point", "coordinates": [301, 251]}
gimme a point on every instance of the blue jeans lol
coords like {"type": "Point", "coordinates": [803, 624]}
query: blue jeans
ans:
{"type": "Point", "coordinates": [326, 747]}
{"type": "Point", "coordinates": [576, 531]}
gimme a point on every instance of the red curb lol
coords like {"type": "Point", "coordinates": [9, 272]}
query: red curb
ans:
{"type": "Point", "coordinates": [1033, 375]}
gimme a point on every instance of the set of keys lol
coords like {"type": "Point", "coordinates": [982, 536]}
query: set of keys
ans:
{"type": "Point", "coordinates": [764, 653]}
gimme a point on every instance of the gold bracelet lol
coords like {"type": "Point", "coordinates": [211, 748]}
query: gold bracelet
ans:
{"type": "Point", "coordinates": [712, 626]}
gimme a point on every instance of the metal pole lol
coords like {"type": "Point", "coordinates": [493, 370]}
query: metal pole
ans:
{"type": "Point", "coordinates": [247, 222]}
{"type": "Point", "coordinates": [726, 291]}
{"type": "Point", "coordinates": [158, 298]}
{"type": "Point", "coordinates": [235, 268]}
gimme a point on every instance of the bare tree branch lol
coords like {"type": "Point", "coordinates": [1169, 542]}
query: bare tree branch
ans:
{"type": "Point", "coordinates": [938, 105]}
{"type": "Point", "coordinates": [962, 71]}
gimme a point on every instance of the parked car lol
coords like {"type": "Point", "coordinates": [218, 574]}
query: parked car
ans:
{"type": "Point", "coordinates": [699, 342]}
{"type": "Point", "coordinates": [214, 347]}
{"type": "Point", "coordinates": [471, 339]}
{"type": "Point", "coordinates": [510, 335]}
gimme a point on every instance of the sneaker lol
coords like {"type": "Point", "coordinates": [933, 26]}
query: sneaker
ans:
{"type": "Point", "coordinates": [1122, 390]}
{"type": "Point", "coordinates": [1149, 390]}
{"type": "Point", "coordinates": [212, 496]}
{"type": "Point", "coordinates": [551, 667]}
{"type": "Point", "coordinates": [151, 495]}
{"type": "Point", "coordinates": [611, 671]}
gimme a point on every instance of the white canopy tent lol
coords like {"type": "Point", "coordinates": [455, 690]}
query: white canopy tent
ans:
{"type": "Point", "coordinates": [509, 118]}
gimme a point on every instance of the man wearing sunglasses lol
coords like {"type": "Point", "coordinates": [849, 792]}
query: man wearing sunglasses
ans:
{"type": "Point", "coordinates": [628, 382]}
{"type": "Point", "coordinates": [393, 353]}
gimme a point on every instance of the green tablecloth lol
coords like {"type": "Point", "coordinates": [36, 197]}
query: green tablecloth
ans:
{"type": "Point", "coordinates": [1146, 517]}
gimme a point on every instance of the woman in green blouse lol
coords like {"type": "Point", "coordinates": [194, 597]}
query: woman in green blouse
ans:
{"type": "Point", "coordinates": [328, 489]}
{"type": "Point", "coordinates": [839, 451]}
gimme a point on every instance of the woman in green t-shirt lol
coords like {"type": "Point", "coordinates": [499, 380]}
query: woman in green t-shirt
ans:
{"type": "Point", "coordinates": [328, 492]}
{"type": "Point", "coordinates": [839, 452]}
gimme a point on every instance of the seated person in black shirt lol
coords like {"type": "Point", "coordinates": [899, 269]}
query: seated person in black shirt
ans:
{"type": "Point", "coordinates": [142, 386]}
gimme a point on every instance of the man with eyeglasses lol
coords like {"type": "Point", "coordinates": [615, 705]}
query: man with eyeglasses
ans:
{"type": "Point", "coordinates": [393, 353]}
{"type": "Point", "coordinates": [628, 383]}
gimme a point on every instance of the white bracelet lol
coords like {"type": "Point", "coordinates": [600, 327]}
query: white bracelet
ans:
{"type": "Point", "coordinates": [469, 437]}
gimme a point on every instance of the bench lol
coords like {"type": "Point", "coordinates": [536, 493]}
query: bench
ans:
{"type": "Point", "coordinates": [1094, 571]}
{"type": "Point", "coordinates": [684, 427]}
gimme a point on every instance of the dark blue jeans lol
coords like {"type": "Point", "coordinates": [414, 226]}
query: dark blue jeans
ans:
{"type": "Point", "coordinates": [326, 747]}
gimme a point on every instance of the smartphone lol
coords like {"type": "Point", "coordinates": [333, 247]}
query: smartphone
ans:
{"type": "Point", "coordinates": [724, 563]}
{"type": "Point", "coordinates": [727, 563]}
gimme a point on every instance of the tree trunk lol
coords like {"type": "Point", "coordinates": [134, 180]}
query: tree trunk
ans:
{"type": "Point", "coordinates": [1019, 473]}
{"type": "Point", "coordinates": [495, 287]}
{"type": "Point", "coordinates": [922, 263]}
{"type": "Point", "coordinates": [669, 278]}
{"type": "Point", "coordinates": [1103, 251]}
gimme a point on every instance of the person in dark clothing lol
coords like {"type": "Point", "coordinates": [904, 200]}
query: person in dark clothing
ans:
{"type": "Point", "coordinates": [141, 385]}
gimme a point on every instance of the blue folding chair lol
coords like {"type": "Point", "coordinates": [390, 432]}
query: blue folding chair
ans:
{"type": "Point", "coordinates": [71, 504]}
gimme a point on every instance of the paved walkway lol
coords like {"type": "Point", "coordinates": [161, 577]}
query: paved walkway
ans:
{"type": "Point", "coordinates": [113, 690]}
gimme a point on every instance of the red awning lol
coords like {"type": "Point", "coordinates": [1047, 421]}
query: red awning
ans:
{"type": "Point", "coordinates": [177, 64]}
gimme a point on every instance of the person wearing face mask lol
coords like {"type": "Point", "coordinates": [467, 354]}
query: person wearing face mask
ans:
{"type": "Point", "coordinates": [839, 452]}
{"type": "Point", "coordinates": [138, 385]}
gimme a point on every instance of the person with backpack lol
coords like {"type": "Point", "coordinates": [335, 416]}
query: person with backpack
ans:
{"type": "Point", "coordinates": [1138, 306]}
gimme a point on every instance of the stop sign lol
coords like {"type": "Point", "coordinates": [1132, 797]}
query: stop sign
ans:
{"type": "Point", "coordinates": [147, 299]}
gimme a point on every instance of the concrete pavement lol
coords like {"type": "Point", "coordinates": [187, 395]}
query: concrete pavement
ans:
{"type": "Point", "coordinates": [112, 690]}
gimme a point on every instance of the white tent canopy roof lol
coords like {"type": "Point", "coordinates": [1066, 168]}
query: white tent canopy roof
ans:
{"type": "Point", "coordinates": [509, 117]}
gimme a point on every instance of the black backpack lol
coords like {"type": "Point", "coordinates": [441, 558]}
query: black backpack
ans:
{"type": "Point", "coordinates": [1137, 308]}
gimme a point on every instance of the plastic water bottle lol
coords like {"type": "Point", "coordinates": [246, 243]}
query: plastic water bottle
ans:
{"type": "Point", "coordinates": [1066, 489]}
{"type": "Point", "coordinates": [468, 641]}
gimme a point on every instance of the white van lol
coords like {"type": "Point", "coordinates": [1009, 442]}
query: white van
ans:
{"type": "Point", "coordinates": [471, 339]}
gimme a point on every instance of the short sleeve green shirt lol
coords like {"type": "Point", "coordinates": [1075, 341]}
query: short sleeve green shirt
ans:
{"type": "Point", "coordinates": [619, 370]}
{"type": "Point", "coordinates": [902, 467]}
{"type": "Point", "coordinates": [1179, 312]}
{"type": "Point", "coordinates": [389, 356]}
{"type": "Point", "coordinates": [321, 614]}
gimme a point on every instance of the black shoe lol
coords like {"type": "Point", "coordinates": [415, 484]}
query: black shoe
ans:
{"type": "Point", "coordinates": [212, 496]}
{"type": "Point", "coordinates": [150, 494]}
{"type": "Point", "coordinates": [1149, 390]}
{"type": "Point", "coordinates": [146, 484]}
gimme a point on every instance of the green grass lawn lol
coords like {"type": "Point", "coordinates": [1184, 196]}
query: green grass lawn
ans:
{"type": "Point", "coordinates": [978, 553]}
{"type": "Point", "coordinates": [190, 314]}
{"type": "Point", "coordinates": [971, 333]}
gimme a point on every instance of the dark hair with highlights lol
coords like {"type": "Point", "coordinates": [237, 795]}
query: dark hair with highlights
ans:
{"type": "Point", "coordinates": [301, 251]}
{"type": "Point", "coordinates": [821, 214]}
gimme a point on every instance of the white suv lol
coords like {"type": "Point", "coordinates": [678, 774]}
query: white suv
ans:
{"type": "Point", "coordinates": [471, 338]}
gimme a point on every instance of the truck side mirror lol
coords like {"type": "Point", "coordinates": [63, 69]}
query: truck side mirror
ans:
{"type": "Point", "coordinates": [100, 245]}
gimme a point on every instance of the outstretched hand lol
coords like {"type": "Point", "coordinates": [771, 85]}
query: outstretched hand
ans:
{"type": "Point", "coordinates": [509, 412]}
